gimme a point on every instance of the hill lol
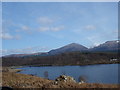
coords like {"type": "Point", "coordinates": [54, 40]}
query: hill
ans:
{"type": "Point", "coordinates": [72, 58]}
{"type": "Point", "coordinates": [72, 54]}
{"type": "Point", "coordinates": [68, 48]}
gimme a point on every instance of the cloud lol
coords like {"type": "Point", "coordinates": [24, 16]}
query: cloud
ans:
{"type": "Point", "coordinates": [17, 37]}
{"type": "Point", "coordinates": [54, 29]}
{"type": "Point", "coordinates": [27, 50]}
{"type": "Point", "coordinates": [26, 28]}
{"type": "Point", "coordinates": [95, 40]}
{"type": "Point", "coordinates": [90, 27]}
{"type": "Point", "coordinates": [48, 24]}
{"type": "Point", "coordinates": [2, 52]}
{"type": "Point", "coordinates": [96, 44]}
{"type": "Point", "coordinates": [45, 20]}
{"type": "Point", "coordinates": [8, 36]}
{"type": "Point", "coordinates": [42, 29]}
{"type": "Point", "coordinates": [57, 28]}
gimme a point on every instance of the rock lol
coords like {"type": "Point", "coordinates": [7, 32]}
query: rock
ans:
{"type": "Point", "coordinates": [81, 82]}
{"type": "Point", "coordinates": [55, 83]}
{"type": "Point", "coordinates": [65, 78]}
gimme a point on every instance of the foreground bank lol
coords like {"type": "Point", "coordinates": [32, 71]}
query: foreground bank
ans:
{"type": "Point", "coordinates": [15, 80]}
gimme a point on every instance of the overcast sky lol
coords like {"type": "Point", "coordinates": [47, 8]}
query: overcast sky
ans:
{"type": "Point", "coordinates": [38, 27]}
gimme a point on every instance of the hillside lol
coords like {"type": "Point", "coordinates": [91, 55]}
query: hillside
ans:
{"type": "Point", "coordinates": [68, 48]}
{"type": "Point", "coordinates": [72, 54]}
{"type": "Point", "coordinates": [72, 58]}
{"type": "Point", "coordinates": [109, 46]}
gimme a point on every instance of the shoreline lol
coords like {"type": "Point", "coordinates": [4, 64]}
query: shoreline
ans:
{"type": "Point", "coordinates": [15, 67]}
{"type": "Point", "coordinates": [10, 77]}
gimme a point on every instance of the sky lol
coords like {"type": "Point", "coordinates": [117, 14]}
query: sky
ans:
{"type": "Point", "coordinates": [30, 27]}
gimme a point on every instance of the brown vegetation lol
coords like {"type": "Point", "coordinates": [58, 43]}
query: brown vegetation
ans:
{"type": "Point", "coordinates": [15, 80]}
{"type": "Point", "coordinates": [73, 58]}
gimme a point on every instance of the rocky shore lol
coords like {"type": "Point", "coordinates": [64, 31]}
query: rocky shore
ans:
{"type": "Point", "coordinates": [14, 80]}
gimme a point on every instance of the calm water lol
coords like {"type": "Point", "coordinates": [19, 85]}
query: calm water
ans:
{"type": "Point", "coordinates": [104, 73]}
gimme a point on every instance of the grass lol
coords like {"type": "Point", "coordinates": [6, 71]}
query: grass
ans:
{"type": "Point", "coordinates": [16, 80]}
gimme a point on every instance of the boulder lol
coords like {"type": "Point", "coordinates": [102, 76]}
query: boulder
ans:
{"type": "Point", "coordinates": [64, 78]}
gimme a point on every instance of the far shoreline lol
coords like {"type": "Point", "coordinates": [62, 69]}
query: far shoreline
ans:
{"type": "Point", "coordinates": [45, 65]}
{"type": "Point", "coordinates": [17, 69]}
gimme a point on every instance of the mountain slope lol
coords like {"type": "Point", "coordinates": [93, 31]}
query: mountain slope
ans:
{"type": "Point", "coordinates": [69, 48]}
{"type": "Point", "coordinates": [107, 46]}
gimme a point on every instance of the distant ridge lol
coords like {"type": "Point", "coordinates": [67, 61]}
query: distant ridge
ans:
{"type": "Point", "coordinates": [109, 46]}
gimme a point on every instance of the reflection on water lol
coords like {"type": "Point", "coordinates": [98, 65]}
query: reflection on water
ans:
{"type": "Point", "coordinates": [104, 73]}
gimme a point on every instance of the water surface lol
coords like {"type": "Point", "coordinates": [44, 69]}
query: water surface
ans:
{"type": "Point", "coordinates": [102, 73]}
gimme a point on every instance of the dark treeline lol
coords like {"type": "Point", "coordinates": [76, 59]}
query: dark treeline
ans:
{"type": "Point", "coordinates": [73, 58]}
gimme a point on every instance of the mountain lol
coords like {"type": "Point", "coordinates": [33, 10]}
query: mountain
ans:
{"type": "Point", "coordinates": [67, 55]}
{"type": "Point", "coordinates": [68, 48]}
{"type": "Point", "coordinates": [107, 46]}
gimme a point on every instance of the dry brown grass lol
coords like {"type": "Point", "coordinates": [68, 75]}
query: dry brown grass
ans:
{"type": "Point", "coordinates": [22, 81]}
{"type": "Point", "coordinates": [16, 80]}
